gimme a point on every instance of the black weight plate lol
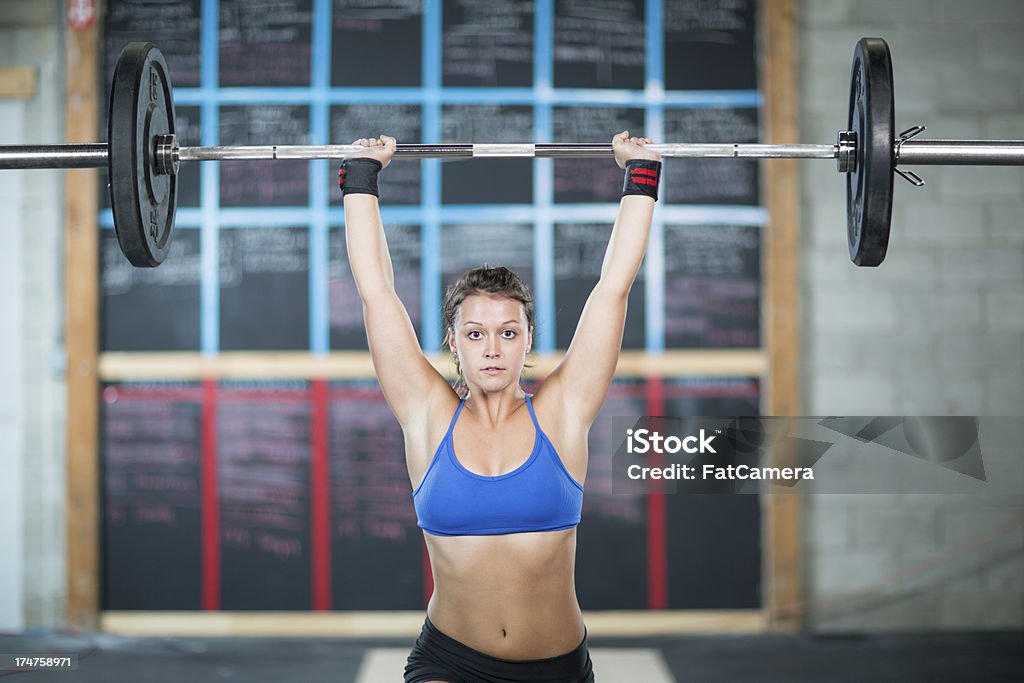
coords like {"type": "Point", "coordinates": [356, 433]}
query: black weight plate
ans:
{"type": "Point", "coordinates": [141, 108]}
{"type": "Point", "coordinates": [869, 185]}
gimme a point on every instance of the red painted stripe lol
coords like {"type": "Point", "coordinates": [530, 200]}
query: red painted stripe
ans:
{"type": "Point", "coordinates": [210, 598]}
{"type": "Point", "coordinates": [643, 181]}
{"type": "Point", "coordinates": [320, 497]}
{"type": "Point", "coordinates": [657, 556]}
{"type": "Point", "coordinates": [644, 171]}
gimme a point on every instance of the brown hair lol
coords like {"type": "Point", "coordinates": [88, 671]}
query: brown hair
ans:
{"type": "Point", "coordinates": [484, 279]}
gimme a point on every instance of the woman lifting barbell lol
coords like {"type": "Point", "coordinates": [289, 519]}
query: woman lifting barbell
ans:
{"type": "Point", "coordinates": [497, 474]}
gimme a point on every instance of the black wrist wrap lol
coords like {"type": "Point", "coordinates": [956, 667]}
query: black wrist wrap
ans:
{"type": "Point", "coordinates": [642, 177]}
{"type": "Point", "coordinates": [359, 176]}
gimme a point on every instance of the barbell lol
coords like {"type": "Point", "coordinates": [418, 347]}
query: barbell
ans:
{"type": "Point", "coordinates": [143, 156]}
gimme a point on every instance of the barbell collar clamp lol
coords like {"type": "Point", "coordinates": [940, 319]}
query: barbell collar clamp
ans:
{"type": "Point", "coordinates": [910, 177]}
{"type": "Point", "coordinates": [165, 154]}
{"type": "Point", "coordinates": [846, 151]}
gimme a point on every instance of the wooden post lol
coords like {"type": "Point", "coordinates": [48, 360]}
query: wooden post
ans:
{"type": "Point", "coordinates": [781, 261]}
{"type": "Point", "coordinates": [81, 283]}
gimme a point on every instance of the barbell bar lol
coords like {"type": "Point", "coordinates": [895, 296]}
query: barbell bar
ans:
{"type": "Point", "coordinates": [143, 156]}
{"type": "Point", "coordinates": [911, 152]}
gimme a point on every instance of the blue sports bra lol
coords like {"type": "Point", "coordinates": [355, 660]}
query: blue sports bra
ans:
{"type": "Point", "coordinates": [539, 495]}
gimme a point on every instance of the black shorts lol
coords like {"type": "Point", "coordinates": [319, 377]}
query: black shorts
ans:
{"type": "Point", "coordinates": [437, 657]}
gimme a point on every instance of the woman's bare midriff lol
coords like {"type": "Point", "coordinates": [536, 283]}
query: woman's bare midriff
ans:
{"type": "Point", "coordinates": [511, 596]}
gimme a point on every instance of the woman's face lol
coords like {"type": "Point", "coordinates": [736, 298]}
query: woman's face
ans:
{"type": "Point", "coordinates": [491, 338]}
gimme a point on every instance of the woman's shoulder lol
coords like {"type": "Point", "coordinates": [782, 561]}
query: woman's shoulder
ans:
{"type": "Point", "coordinates": [549, 405]}
{"type": "Point", "coordinates": [559, 405]}
{"type": "Point", "coordinates": [443, 404]}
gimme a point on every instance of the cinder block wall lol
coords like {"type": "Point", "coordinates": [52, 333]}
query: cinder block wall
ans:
{"type": "Point", "coordinates": [32, 400]}
{"type": "Point", "coordinates": [938, 329]}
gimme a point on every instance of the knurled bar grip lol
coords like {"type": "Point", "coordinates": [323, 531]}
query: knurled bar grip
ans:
{"type": "Point", "coordinates": [555, 150]}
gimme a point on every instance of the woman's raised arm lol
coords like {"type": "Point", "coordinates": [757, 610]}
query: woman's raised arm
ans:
{"type": "Point", "coordinates": [406, 377]}
{"type": "Point", "coordinates": [582, 379]}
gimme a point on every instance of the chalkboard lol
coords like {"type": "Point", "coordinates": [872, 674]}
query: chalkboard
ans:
{"type": "Point", "coordinates": [171, 26]}
{"type": "Point", "coordinates": [264, 183]}
{"type": "Point", "coordinates": [151, 452]}
{"type": "Point", "coordinates": [611, 547]}
{"type": "Point", "coordinates": [465, 246]}
{"type": "Point", "coordinates": [726, 572]}
{"type": "Point", "coordinates": [264, 44]}
{"type": "Point", "coordinates": [714, 551]}
{"type": "Point", "coordinates": [712, 286]}
{"type": "Point", "coordinates": [150, 309]}
{"type": "Point", "coordinates": [487, 44]}
{"type": "Point", "coordinates": [710, 45]}
{"type": "Point", "coordinates": [363, 30]}
{"type": "Point", "coordinates": [377, 549]}
{"type": "Point", "coordinates": [711, 396]}
{"type": "Point", "coordinates": [346, 309]}
{"type": "Point", "coordinates": [149, 445]}
{"type": "Point", "coordinates": [264, 289]}
{"type": "Point", "coordinates": [400, 183]}
{"type": "Point", "coordinates": [599, 44]}
{"type": "Point", "coordinates": [591, 180]}
{"type": "Point", "coordinates": [263, 482]}
{"type": "Point", "coordinates": [711, 181]}
{"type": "Point", "coordinates": [487, 181]}
{"type": "Point", "coordinates": [711, 544]}
{"type": "Point", "coordinates": [579, 253]}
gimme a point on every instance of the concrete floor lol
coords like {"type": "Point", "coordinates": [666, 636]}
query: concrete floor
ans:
{"type": "Point", "coordinates": [933, 658]}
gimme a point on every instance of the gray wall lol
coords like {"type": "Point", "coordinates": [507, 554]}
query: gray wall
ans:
{"type": "Point", "coordinates": [31, 320]}
{"type": "Point", "coordinates": [937, 329]}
